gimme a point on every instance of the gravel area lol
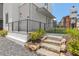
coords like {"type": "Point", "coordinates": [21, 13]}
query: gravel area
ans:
{"type": "Point", "coordinates": [10, 48]}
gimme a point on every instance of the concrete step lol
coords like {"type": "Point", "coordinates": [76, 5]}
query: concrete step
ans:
{"type": "Point", "coordinates": [46, 52]}
{"type": "Point", "coordinates": [51, 47]}
{"type": "Point", "coordinates": [18, 38]}
{"type": "Point", "coordinates": [52, 41]}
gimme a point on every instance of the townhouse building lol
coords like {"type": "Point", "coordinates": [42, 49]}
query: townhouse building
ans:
{"type": "Point", "coordinates": [73, 16]}
{"type": "Point", "coordinates": [22, 18]}
{"type": "Point", "coordinates": [71, 20]}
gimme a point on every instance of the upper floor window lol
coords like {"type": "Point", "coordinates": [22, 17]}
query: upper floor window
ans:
{"type": "Point", "coordinates": [74, 12]}
{"type": "Point", "coordinates": [73, 18]}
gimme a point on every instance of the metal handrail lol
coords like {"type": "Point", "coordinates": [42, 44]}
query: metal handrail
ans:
{"type": "Point", "coordinates": [27, 24]}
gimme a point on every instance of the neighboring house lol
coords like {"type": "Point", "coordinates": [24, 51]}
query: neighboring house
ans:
{"type": "Point", "coordinates": [61, 23]}
{"type": "Point", "coordinates": [1, 16]}
{"type": "Point", "coordinates": [78, 23]}
{"type": "Point", "coordinates": [22, 18]}
{"type": "Point", "coordinates": [73, 16]}
{"type": "Point", "coordinates": [65, 22]}
{"type": "Point", "coordinates": [71, 20]}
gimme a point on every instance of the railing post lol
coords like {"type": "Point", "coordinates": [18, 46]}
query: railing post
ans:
{"type": "Point", "coordinates": [27, 25]}
{"type": "Point", "coordinates": [18, 26]}
{"type": "Point", "coordinates": [39, 25]}
{"type": "Point", "coordinates": [44, 27]}
{"type": "Point", "coordinates": [12, 26]}
{"type": "Point", "coordinates": [8, 26]}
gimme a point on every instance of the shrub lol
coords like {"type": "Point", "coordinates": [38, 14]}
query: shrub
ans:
{"type": "Point", "coordinates": [73, 43]}
{"type": "Point", "coordinates": [58, 30]}
{"type": "Point", "coordinates": [3, 33]}
{"type": "Point", "coordinates": [73, 46]}
{"type": "Point", "coordinates": [74, 33]}
{"type": "Point", "coordinates": [34, 36]}
{"type": "Point", "coordinates": [41, 32]}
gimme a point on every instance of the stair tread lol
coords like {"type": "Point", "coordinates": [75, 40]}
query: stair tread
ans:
{"type": "Point", "coordinates": [52, 41]}
{"type": "Point", "coordinates": [51, 47]}
{"type": "Point", "coordinates": [54, 38]}
{"type": "Point", "coordinates": [46, 52]}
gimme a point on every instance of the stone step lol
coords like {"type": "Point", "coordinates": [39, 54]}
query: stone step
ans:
{"type": "Point", "coordinates": [55, 38]}
{"type": "Point", "coordinates": [46, 52]}
{"type": "Point", "coordinates": [51, 47]}
{"type": "Point", "coordinates": [52, 41]}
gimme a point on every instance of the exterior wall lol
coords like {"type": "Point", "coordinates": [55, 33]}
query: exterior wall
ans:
{"type": "Point", "coordinates": [78, 23]}
{"type": "Point", "coordinates": [67, 22]}
{"type": "Point", "coordinates": [48, 6]}
{"type": "Point", "coordinates": [34, 15]}
{"type": "Point", "coordinates": [6, 9]}
{"type": "Point", "coordinates": [61, 23]}
{"type": "Point", "coordinates": [22, 11]}
{"type": "Point", "coordinates": [13, 13]}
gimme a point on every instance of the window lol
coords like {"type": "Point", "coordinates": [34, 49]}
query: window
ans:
{"type": "Point", "coordinates": [73, 18]}
{"type": "Point", "coordinates": [74, 12]}
{"type": "Point", "coordinates": [6, 18]}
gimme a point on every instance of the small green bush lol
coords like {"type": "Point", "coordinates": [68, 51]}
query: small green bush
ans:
{"type": "Point", "coordinates": [58, 30]}
{"type": "Point", "coordinates": [34, 36]}
{"type": "Point", "coordinates": [3, 33]}
{"type": "Point", "coordinates": [37, 35]}
{"type": "Point", "coordinates": [73, 46]}
{"type": "Point", "coordinates": [41, 32]}
{"type": "Point", "coordinates": [73, 43]}
{"type": "Point", "coordinates": [74, 33]}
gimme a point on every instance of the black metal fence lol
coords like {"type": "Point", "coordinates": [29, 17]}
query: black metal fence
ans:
{"type": "Point", "coordinates": [26, 25]}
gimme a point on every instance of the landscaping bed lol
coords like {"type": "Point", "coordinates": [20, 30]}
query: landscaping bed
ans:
{"type": "Point", "coordinates": [73, 42]}
{"type": "Point", "coordinates": [71, 36]}
{"type": "Point", "coordinates": [35, 39]}
{"type": "Point", "coordinates": [3, 33]}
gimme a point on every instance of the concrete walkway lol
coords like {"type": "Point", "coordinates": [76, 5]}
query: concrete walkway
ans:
{"type": "Point", "coordinates": [10, 48]}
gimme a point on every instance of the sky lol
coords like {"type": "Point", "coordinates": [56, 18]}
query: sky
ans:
{"type": "Point", "coordinates": [62, 9]}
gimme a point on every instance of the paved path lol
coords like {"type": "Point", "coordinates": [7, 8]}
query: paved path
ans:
{"type": "Point", "coordinates": [10, 48]}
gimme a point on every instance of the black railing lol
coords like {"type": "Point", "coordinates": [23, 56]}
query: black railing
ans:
{"type": "Point", "coordinates": [26, 25]}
